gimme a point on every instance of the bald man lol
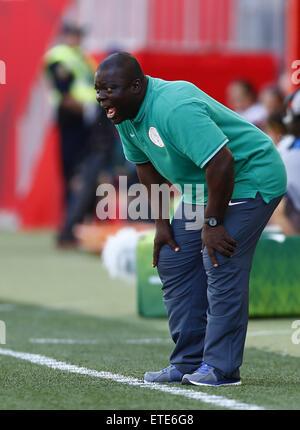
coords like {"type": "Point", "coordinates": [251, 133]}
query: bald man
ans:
{"type": "Point", "coordinates": [175, 132]}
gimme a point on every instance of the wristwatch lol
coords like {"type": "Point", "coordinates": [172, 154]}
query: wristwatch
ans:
{"type": "Point", "coordinates": [212, 221]}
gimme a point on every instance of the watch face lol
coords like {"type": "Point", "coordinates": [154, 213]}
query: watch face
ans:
{"type": "Point", "coordinates": [212, 222]}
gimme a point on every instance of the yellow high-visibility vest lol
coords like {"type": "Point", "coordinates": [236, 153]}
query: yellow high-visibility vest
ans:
{"type": "Point", "coordinates": [73, 60]}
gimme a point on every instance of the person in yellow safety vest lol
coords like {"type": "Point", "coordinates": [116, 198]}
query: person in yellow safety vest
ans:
{"type": "Point", "coordinates": [66, 62]}
{"type": "Point", "coordinates": [71, 75]}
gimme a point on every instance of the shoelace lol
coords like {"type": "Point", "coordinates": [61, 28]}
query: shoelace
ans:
{"type": "Point", "coordinates": [204, 368]}
{"type": "Point", "coordinates": [167, 368]}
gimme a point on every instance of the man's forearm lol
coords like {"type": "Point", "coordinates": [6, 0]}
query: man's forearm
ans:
{"type": "Point", "coordinates": [149, 176]}
{"type": "Point", "coordinates": [220, 184]}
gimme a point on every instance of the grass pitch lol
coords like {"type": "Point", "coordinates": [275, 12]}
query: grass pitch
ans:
{"type": "Point", "coordinates": [63, 305]}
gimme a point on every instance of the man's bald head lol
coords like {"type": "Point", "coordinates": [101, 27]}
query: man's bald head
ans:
{"type": "Point", "coordinates": [121, 86]}
{"type": "Point", "coordinates": [124, 62]}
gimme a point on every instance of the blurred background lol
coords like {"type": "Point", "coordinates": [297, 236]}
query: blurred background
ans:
{"type": "Point", "coordinates": [211, 43]}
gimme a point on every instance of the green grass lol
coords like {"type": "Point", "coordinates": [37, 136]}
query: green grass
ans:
{"type": "Point", "coordinates": [68, 295]}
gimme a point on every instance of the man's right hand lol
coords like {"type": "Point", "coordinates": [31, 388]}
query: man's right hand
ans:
{"type": "Point", "coordinates": [163, 236]}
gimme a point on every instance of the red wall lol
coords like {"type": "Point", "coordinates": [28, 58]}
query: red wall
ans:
{"type": "Point", "coordinates": [212, 72]}
{"type": "Point", "coordinates": [26, 27]}
{"type": "Point", "coordinates": [168, 21]}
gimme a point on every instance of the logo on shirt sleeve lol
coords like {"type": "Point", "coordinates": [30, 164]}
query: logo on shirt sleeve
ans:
{"type": "Point", "coordinates": [155, 137]}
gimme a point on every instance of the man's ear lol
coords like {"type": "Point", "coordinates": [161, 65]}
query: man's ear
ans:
{"type": "Point", "coordinates": [136, 86]}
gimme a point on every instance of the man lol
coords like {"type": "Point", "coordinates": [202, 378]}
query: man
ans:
{"type": "Point", "coordinates": [175, 132]}
{"type": "Point", "coordinates": [242, 99]}
{"type": "Point", "coordinates": [287, 214]}
{"type": "Point", "coordinates": [71, 76]}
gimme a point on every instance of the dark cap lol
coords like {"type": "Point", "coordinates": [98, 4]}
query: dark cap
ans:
{"type": "Point", "coordinates": [73, 28]}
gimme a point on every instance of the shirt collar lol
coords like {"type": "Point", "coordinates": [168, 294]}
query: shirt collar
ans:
{"type": "Point", "coordinates": [143, 108]}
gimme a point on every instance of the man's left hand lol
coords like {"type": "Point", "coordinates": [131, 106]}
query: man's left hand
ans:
{"type": "Point", "coordinates": [217, 239]}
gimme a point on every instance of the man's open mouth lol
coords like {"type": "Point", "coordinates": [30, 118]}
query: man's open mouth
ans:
{"type": "Point", "coordinates": [111, 112]}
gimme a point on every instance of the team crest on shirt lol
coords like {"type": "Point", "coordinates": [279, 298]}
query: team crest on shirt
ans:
{"type": "Point", "coordinates": [155, 137]}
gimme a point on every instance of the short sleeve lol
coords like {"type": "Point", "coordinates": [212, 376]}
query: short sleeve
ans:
{"type": "Point", "coordinates": [131, 151]}
{"type": "Point", "coordinates": [194, 133]}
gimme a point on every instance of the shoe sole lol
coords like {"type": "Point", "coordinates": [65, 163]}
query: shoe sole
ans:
{"type": "Point", "coordinates": [216, 384]}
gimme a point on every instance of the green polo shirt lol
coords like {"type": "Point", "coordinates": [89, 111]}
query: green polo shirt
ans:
{"type": "Point", "coordinates": [179, 129]}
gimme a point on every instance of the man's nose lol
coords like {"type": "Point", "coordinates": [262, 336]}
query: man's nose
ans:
{"type": "Point", "coordinates": [101, 96]}
{"type": "Point", "coordinates": [98, 98]}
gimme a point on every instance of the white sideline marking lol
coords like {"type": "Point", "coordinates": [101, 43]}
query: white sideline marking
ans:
{"type": "Point", "coordinates": [6, 307]}
{"type": "Point", "coordinates": [139, 341]}
{"type": "Point", "coordinates": [166, 340]}
{"type": "Point", "coordinates": [128, 380]}
{"type": "Point", "coordinates": [64, 341]}
{"type": "Point", "coordinates": [94, 341]}
{"type": "Point", "coordinates": [268, 332]}
{"type": "Point", "coordinates": [149, 340]}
